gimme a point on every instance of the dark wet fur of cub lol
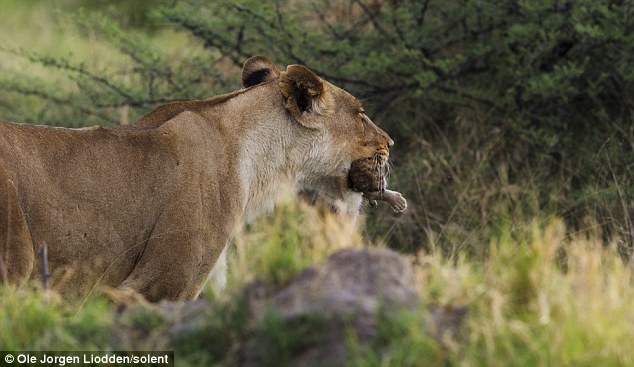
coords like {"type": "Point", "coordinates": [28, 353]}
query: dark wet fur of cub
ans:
{"type": "Point", "coordinates": [366, 175]}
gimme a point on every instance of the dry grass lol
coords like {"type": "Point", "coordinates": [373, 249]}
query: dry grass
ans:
{"type": "Point", "coordinates": [297, 235]}
{"type": "Point", "coordinates": [544, 296]}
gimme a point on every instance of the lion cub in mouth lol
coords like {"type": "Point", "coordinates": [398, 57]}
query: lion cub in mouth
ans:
{"type": "Point", "coordinates": [367, 175]}
{"type": "Point", "coordinates": [151, 207]}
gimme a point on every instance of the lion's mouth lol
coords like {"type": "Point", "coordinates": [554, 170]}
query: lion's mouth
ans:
{"type": "Point", "coordinates": [381, 158]}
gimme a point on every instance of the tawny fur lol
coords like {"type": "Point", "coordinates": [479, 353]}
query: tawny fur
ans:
{"type": "Point", "coordinates": [151, 207]}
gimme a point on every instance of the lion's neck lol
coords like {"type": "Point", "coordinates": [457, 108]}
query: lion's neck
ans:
{"type": "Point", "coordinates": [275, 163]}
{"type": "Point", "coordinates": [266, 169]}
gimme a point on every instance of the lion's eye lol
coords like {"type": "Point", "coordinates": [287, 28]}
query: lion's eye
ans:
{"type": "Point", "coordinates": [361, 120]}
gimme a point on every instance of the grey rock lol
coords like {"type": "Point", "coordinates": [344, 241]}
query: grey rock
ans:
{"type": "Point", "coordinates": [345, 294]}
{"type": "Point", "coordinates": [316, 312]}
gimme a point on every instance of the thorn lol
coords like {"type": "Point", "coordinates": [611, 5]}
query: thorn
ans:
{"type": "Point", "coordinates": [44, 264]}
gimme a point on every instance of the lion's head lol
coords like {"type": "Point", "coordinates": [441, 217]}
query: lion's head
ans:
{"type": "Point", "coordinates": [335, 118]}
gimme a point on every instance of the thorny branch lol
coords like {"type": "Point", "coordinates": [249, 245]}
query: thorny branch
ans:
{"type": "Point", "coordinates": [420, 18]}
{"type": "Point", "coordinates": [373, 19]}
{"type": "Point", "coordinates": [61, 101]}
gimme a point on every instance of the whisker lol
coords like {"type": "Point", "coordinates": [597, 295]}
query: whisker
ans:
{"type": "Point", "coordinates": [389, 167]}
{"type": "Point", "coordinates": [380, 165]}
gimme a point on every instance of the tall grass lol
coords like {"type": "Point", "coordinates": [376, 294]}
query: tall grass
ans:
{"type": "Point", "coordinates": [33, 320]}
{"type": "Point", "coordinates": [542, 297]}
{"type": "Point", "coordinates": [279, 246]}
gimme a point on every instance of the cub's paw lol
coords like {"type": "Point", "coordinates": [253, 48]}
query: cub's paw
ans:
{"type": "Point", "coordinates": [396, 200]}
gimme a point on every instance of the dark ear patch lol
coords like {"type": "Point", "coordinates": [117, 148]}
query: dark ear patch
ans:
{"type": "Point", "coordinates": [305, 95]}
{"type": "Point", "coordinates": [257, 70]}
{"type": "Point", "coordinates": [255, 77]}
{"type": "Point", "coordinates": [304, 102]}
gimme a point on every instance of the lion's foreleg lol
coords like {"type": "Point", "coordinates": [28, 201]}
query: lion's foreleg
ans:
{"type": "Point", "coordinates": [178, 257]}
{"type": "Point", "coordinates": [17, 255]}
{"type": "Point", "coordinates": [218, 274]}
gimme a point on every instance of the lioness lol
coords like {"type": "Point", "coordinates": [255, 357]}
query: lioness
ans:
{"type": "Point", "coordinates": [151, 207]}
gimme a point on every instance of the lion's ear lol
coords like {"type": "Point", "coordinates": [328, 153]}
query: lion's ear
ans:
{"type": "Point", "coordinates": [305, 95]}
{"type": "Point", "coordinates": [257, 70]}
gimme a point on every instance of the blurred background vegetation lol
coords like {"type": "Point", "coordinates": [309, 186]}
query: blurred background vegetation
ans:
{"type": "Point", "coordinates": [502, 111]}
{"type": "Point", "coordinates": [514, 145]}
